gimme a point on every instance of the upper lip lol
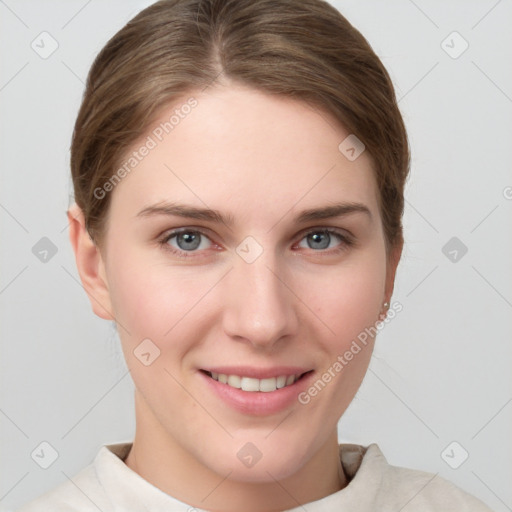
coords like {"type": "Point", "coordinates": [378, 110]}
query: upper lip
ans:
{"type": "Point", "coordinates": [258, 373]}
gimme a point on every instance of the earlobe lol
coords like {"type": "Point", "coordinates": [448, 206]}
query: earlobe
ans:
{"type": "Point", "coordinates": [90, 264]}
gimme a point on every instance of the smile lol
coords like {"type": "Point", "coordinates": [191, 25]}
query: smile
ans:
{"type": "Point", "coordinates": [257, 391]}
{"type": "Point", "coordinates": [252, 384]}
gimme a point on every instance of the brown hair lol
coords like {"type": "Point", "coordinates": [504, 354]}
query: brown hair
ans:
{"type": "Point", "coordinates": [303, 50]}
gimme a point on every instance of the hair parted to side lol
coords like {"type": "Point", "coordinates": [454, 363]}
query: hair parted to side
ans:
{"type": "Point", "coordinates": [304, 50]}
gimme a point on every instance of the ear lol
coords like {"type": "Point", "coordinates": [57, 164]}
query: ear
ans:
{"type": "Point", "coordinates": [392, 264]}
{"type": "Point", "coordinates": [90, 264]}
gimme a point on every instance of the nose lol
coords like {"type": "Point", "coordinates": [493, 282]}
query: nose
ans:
{"type": "Point", "coordinates": [260, 307]}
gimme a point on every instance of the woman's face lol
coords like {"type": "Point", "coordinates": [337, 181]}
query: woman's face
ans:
{"type": "Point", "coordinates": [271, 290]}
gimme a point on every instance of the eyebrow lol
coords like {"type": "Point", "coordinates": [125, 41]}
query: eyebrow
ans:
{"type": "Point", "coordinates": [191, 212]}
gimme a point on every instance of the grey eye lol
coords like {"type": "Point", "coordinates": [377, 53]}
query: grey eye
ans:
{"type": "Point", "coordinates": [188, 240]}
{"type": "Point", "coordinates": [320, 239]}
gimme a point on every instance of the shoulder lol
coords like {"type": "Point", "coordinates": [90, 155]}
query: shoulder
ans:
{"type": "Point", "coordinates": [83, 492]}
{"type": "Point", "coordinates": [413, 491]}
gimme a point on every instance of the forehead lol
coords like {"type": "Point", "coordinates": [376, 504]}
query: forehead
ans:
{"type": "Point", "coordinates": [246, 152]}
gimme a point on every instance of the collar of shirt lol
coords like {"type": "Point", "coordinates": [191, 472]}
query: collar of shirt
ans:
{"type": "Point", "coordinates": [364, 466]}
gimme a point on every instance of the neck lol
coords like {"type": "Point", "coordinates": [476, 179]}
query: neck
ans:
{"type": "Point", "coordinates": [162, 461]}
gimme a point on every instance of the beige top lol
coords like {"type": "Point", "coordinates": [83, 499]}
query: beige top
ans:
{"type": "Point", "coordinates": [109, 485]}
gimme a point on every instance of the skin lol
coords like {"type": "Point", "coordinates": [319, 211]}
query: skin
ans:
{"type": "Point", "coordinates": [263, 159]}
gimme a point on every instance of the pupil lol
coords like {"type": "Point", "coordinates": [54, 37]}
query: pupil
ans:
{"type": "Point", "coordinates": [322, 239]}
{"type": "Point", "coordinates": [190, 239]}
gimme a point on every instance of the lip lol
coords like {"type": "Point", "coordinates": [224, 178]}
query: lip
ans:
{"type": "Point", "coordinates": [258, 373]}
{"type": "Point", "coordinates": [257, 403]}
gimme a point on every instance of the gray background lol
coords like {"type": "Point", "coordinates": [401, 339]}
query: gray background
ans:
{"type": "Point", "coordinates": [441, 369]}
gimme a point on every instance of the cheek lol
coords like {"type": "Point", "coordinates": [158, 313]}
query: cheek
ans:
{"type": "Point", "coordinates": [169, 305]}
{"type": "Point", "coordinates": [348, 303]}
{"type": "Point", "coordinates": [349, 298]}
{"type": "Point", "coordinates": [150, 299]}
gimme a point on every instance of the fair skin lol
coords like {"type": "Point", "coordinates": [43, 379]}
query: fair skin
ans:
{"type": "Point", "coordinates": [262, 160]}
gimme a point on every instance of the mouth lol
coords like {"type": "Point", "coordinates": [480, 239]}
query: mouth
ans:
{"type": "Point", "coordinates": [252, 384]}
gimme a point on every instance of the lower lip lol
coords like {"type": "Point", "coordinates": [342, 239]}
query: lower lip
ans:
{"type": "Point", "coordinates": [258, 403]}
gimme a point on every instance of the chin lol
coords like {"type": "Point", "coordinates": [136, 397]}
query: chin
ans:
{"type": "Point", "coordinates": [248, 464]}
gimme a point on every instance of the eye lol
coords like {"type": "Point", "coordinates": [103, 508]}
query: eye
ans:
{"type": "Point", "coordinates": [322, 239]}
{"type": "Point", "coordinates": [186, 240]}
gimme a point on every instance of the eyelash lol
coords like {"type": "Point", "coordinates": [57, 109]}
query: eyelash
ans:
{"type": "Point", "coordinates": [346, 241]}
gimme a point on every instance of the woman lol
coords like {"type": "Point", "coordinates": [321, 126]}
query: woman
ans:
{"type": "Point", "coordinates": [239, 170]}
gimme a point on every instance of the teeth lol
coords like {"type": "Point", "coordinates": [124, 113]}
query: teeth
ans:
{"type": "Point", "coordinates": [268, 384]}
{"type": "Point", "coordinates": [235, 381]}
{"type": "Point", "coordinates": [281, 382]}
{"type": "Point", "coordinates": [251, 384]}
